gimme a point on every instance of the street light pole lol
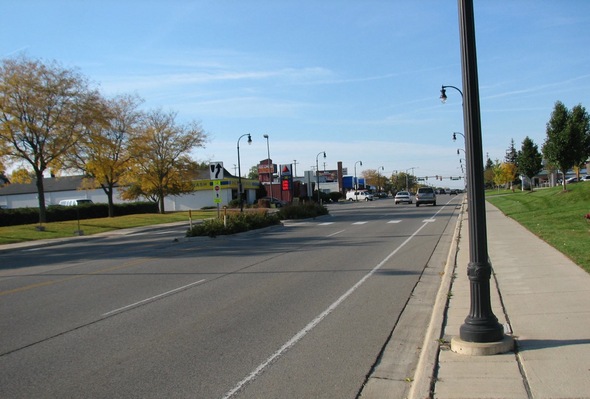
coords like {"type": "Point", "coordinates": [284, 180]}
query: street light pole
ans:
{"type": "Point", "coordinates": [407, 182]}
{"type": "Point", "coordinates": [241, 199]}
{"type": "Point", "coordinates": [379, 178]}
{"type": "Point", "coordinates": [355, 178]}
{"type": "Point", "coordinates": [481, 325]}
{"type": "Point", "coordinates": [317, 171]}
{"type": "Point", "coordinates": [269, 167]}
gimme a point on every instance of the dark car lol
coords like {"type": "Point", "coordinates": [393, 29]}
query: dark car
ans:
{"type": "Point", "coordinates": [425, 195]}
{"type": "Point", "coordinates": [274, 202]}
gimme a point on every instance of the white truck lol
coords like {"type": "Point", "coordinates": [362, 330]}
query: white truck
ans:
{"type": "Point", "coordinates": [359, 195]}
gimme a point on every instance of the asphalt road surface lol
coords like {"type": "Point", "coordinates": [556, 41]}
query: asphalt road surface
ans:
{"type": "Point", "coordinates": [295, 311]}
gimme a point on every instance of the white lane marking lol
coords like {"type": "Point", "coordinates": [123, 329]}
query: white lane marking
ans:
{"type": "Point", "coordinates": [360, 222]}
{"type": "Point", "coordinates": [299, 336]}
{"type": "Point", "coordinates": [428, 220]}
{"type": "Point", "coordinates": [165, 232]}
{"type": "Point", "coordinates": [333, 234]}
{"type": "Point", "coordinates": [394, 221]}
{"type": "Point", "coordinates": [153, 297]}
{"type": "Point", "coordinates": [326, 223]}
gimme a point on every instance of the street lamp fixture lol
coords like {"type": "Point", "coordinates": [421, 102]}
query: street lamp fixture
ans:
{"type": "Point", "coordinates": [455, 135]}
{"type": "Point", "coordinates": [317, 171]}
{"type": "Point", "coordinates": [240, 191]}
{"type": "Point", "coordinates": [443, 92]}
{"type": "Point", "coordinates": [355, 178]}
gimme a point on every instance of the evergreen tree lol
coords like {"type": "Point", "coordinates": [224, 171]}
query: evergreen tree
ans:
{"type": "Point", "coordinates": [530, 161]}
{"type": "Point", "coordinates": [568, 142]}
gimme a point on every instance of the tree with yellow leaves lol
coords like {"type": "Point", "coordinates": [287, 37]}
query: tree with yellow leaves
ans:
{"type": "Point", "coordinates": [43, 111]}
{"type": "Point", "coordinates": [160, 154]}
{"type": "Point", "coordinates": [103, 153]}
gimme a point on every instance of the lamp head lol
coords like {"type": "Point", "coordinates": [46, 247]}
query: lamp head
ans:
{"type": "Point", "coordinates": [249, 139]}
{"type": "Point", "coordinates": [361, 163]}
{"type": "Point", "coordinates": [443, 94]}
{"type": "Point", "coordinates": [454, 137]}
{"type": "Point", "coordinates": [324, 154]}
{"type": "Point", "coordinates": [458, 151]}
{"type": "Point", "coordinates": [265, 136]}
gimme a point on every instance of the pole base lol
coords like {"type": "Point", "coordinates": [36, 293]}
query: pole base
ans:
{"type": "Point", "coordinates": [482, 348]}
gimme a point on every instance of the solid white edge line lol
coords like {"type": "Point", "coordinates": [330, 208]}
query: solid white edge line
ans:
{"type": "Point", "coordinates": [297, 337]}
{"type": "Point", "coordinates": [152, 298]}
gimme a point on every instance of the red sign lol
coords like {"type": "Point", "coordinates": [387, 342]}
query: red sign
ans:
{"type": "Point", "coordinates": [285, 186]}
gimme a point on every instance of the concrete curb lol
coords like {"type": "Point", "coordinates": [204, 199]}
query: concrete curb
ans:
{"type": "Point", "coordinates": [428, 360]}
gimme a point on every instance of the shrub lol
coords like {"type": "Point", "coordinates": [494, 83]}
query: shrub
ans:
{"type": "Point", "coordinates": [235, 223]}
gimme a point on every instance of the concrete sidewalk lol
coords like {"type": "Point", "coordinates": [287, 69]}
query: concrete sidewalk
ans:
{"type": "Point", "coordinates": [542, 298]}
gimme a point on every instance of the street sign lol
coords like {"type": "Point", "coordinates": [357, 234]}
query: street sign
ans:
{"type": "Point", "coordinates": [286, 170]}
{"type": "Point", "coordinates": [217, 191]}
{"type": "Point", "coordinates": [216, 170]}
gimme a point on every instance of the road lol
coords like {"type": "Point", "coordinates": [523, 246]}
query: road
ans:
{"type": "Point", "coordinates": [300, 310]}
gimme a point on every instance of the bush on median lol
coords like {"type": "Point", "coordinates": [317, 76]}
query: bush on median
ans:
{"type": "Point", "coordinates": [238, 222]}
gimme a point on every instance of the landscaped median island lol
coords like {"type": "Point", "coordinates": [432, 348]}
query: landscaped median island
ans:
{"type": "Point", "coordinates": [556, 216]}
{"type": "Point", "coordinates": [235, 221]}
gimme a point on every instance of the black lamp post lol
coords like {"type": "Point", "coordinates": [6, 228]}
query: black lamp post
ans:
{"type": "Point", "coordinates": [269, 167]}
{"type": "Point", "coordinates": [379, 178]}
{"type": "Point", "coordinates": [356, 185]}
{"type": "Point", "coordinates": [481, 325]}
{"type": "Point", "coordinates": [317, 171]}
{"type": "Point", "coordinates": [240, 171]}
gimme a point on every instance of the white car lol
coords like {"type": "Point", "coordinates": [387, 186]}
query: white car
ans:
{"type": "Point", "coordinates": [359, 195]}
{"type": "Point", "coordinates": [403, 196]}
{"type": "Point", "coordinates": [585, 178]}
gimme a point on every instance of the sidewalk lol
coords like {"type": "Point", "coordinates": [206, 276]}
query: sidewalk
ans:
{"type": "Point", "coordinates": [542, 298]}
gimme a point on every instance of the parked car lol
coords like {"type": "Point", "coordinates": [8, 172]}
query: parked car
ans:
{"type": "Point", "coordinates": [403, 196]}
{"type": "Point", "coordinates": [454, 192]}
{"type": "Point", "coordinates": [586, 178]}
{"type": "Point", "coordinates": [425, 195]}
{"type": "Point", "coordinates": [277, 203]}
{"type": "Point", "coordinates": [359, 195]}
{"type": "Point", "coordinates": [572, 180]}
{"type": "Point", "coordinates": [75, 202]}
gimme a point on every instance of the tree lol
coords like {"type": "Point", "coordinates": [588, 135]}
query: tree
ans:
{"type": "Point", "coordinates": [3, 178]}
{"type": "Point", "coordinates": [488, 173]}
{"type": "Point", "coordinates": [22, 176]}
{"type": "Point", "coordinates": [509, 174]}
{"type": "Point", "coordinates": [530, 160]}
{"type": "Point", "coordinates": [567, 142]}
{"type": "Point", "coordinates": [103, 153]}
{"type": "Point", "coordinates": [253, 173]}
{"type": "Point", "coordinates": [160, 152]}
{"type": "Point", "coordinates": [43, 108]}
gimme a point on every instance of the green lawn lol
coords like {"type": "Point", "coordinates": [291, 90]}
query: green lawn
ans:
{"type": "Point", "coordinates": [554, 215]}
{"type": "Point", "coordinates": [29, 232]}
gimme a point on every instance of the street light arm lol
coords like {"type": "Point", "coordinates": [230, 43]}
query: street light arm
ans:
{"type": "Point", "coordinates": [443, 92]}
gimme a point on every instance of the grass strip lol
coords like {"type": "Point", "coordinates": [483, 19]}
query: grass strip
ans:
{"type": "Point", "coordinates": [554, 215]}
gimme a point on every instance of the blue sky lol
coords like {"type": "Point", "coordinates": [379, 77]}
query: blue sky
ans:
{"type": "Point", "coordinates": [359, 80]}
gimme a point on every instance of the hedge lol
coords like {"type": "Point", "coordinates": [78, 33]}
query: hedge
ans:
{"type": "Point", "coordinates": [59, 213]}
